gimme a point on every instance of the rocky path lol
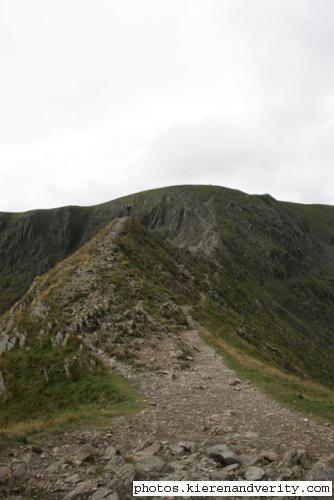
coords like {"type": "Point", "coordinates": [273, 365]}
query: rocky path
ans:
{"type": "Point", "coordinates": [206, 400]}
{"type": "Point", "coordinates": [199, 422]}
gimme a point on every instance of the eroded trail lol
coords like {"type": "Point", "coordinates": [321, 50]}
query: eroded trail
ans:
{"type": "Point", "coordinates": [206, 402]}
{"type": "Point", "coordinates": [192, 402]}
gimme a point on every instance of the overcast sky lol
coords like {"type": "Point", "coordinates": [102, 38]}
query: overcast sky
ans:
{"type": "Point", "coordinates": [107, 97]}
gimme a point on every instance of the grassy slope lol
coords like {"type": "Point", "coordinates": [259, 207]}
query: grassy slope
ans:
{"type": "Point", "coordinates": [301, 394]}
{"type": "Point", "coordinates": [277, 275]}
{"type": "Point", "coordinates": [273, 288]}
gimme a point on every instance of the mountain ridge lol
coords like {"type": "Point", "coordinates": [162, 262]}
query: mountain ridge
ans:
{"type": "Point", "coordinates": [272, 263]}
{"type": "Point", "coordinates": [33, 241]}
{"type": "Point", "coordinates": [128, 307]}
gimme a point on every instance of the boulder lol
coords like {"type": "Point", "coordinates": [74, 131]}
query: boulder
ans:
{"type": "Point", "coordinates": [320, 471]}
{"type": "Point", "coordinates": [222, 454]}
{"type": "Point", "coordinates": [125, 473]}
{"type": "Point", "coordinates": [227, 473]}
{"type": "Point", "coordinates": [83, 488]}
{"type": "Point", "coordinates": [149, 467]}
{"type": "Point", "coordinates": [294, 457]}
{"type": "Point", "coordinates": [110, 453]}
{"type": "Point", "coordinates": [19, 470]}
{"type": "Point", "coordinates": [266, 457]}
{"type": "Point", "coordinates": [83, 454]}
{"type": "Point", "coordinates": [235, 381]}
{"type": "Point", "coordinates": [254, 473]}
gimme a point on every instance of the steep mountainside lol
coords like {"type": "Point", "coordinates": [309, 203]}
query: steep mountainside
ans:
{"type": "Point", "coordinates": [255, 271]}
{"type": "Point", "coordinates": [119, 289]}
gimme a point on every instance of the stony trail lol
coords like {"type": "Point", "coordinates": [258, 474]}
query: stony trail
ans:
{"type": "Point", "coordinates": [192, 402]}
{"type": "Point", "coordinates": [206, 402]}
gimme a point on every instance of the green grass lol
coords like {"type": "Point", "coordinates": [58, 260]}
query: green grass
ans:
{"type": "Point", "coordinates": [303, 395]}
{"type": "Point", "coordinates": [153, 265]}
{"type": "Point", "coordinates": [33, 401]}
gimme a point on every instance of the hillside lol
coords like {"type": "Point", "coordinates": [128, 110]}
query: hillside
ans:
{"type": "Point", "coordinates": [266, 267]}
{"type": "Point", "coordinates": [119, 289]}
{"type": "Point", "coordinates": [148, 318]}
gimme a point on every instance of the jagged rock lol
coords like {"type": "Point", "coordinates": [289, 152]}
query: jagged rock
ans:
{"type": "Point", "coordinates": [320, 471]}
{"type": "Point", "coordinates": [222, 454]}
{"type": "Point", "coordinates": [19, 470]}
{"type": "Point", "coordinates": [5, 474]}
{"type": "Point", "coordinates": [110, 453]}
{"type": "Point", "coordinates": [114, 462]}
{"type": "Point", "coordinates": [169, 309]}
{"type": "Point", "coordinates": [266, 457]}
{"type": "Point", "coordinates": [151, 449]}
{"type": "Point", "coordinates": [254, 473]}
{"type": "Point", "coordinates": [294, 457]}
{"type": "Point", "coordinates": [182, 448]}
{"type": "Point", "coordinates": [125, 472]}
{"type": "Point", "coordinates": [83, 488]}
{"type": "Point", "coordinates": [83, 454]}
{"type": "Point", "coordinates": [177, 450]}
{"type": "Point", "coordinates": [103, 493]}
{"type": "Point", "coordinates": [2, 385]}
{"type": "Point", "coordinates": [228, 472]}
{"type": "Point", "coordinates": [74, 479]}
{"type": "Point", "coordinates": [149, 467]}
{"type": "Point", "coordinates": [22, 340]}
{"type": "Point", "coordinates": [57, 340]}
{"type": "Point", "coordinates": [285, 474]}
{"type": "Point", "coordinates": [7, 343]}
{"type": "Point", "coordinates": [3, 343]}
{"type": "Point", "coordinates": [235, 382]}
{"type": "Point", "coordinates": [27, 457]}
{"type": "Point", "coordinates": [39, 309]}
{"type": "Point", "coordinates": [188, 446]}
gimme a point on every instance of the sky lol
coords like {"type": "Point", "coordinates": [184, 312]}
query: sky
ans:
{"type": "Point", "coordinates": [99, 99]}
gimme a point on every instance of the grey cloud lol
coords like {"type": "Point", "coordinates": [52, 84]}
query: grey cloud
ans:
{"type": "Point", "coordinates": [99, 99]}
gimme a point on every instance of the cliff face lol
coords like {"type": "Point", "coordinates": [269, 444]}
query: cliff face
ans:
{"type": "Point", "coordinates": [31, 243]}
{"type": "Point", "coordinates": [265, 268]}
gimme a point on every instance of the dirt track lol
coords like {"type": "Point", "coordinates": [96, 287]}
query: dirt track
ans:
{"type": "Point", "coordinates": [202, 403]}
